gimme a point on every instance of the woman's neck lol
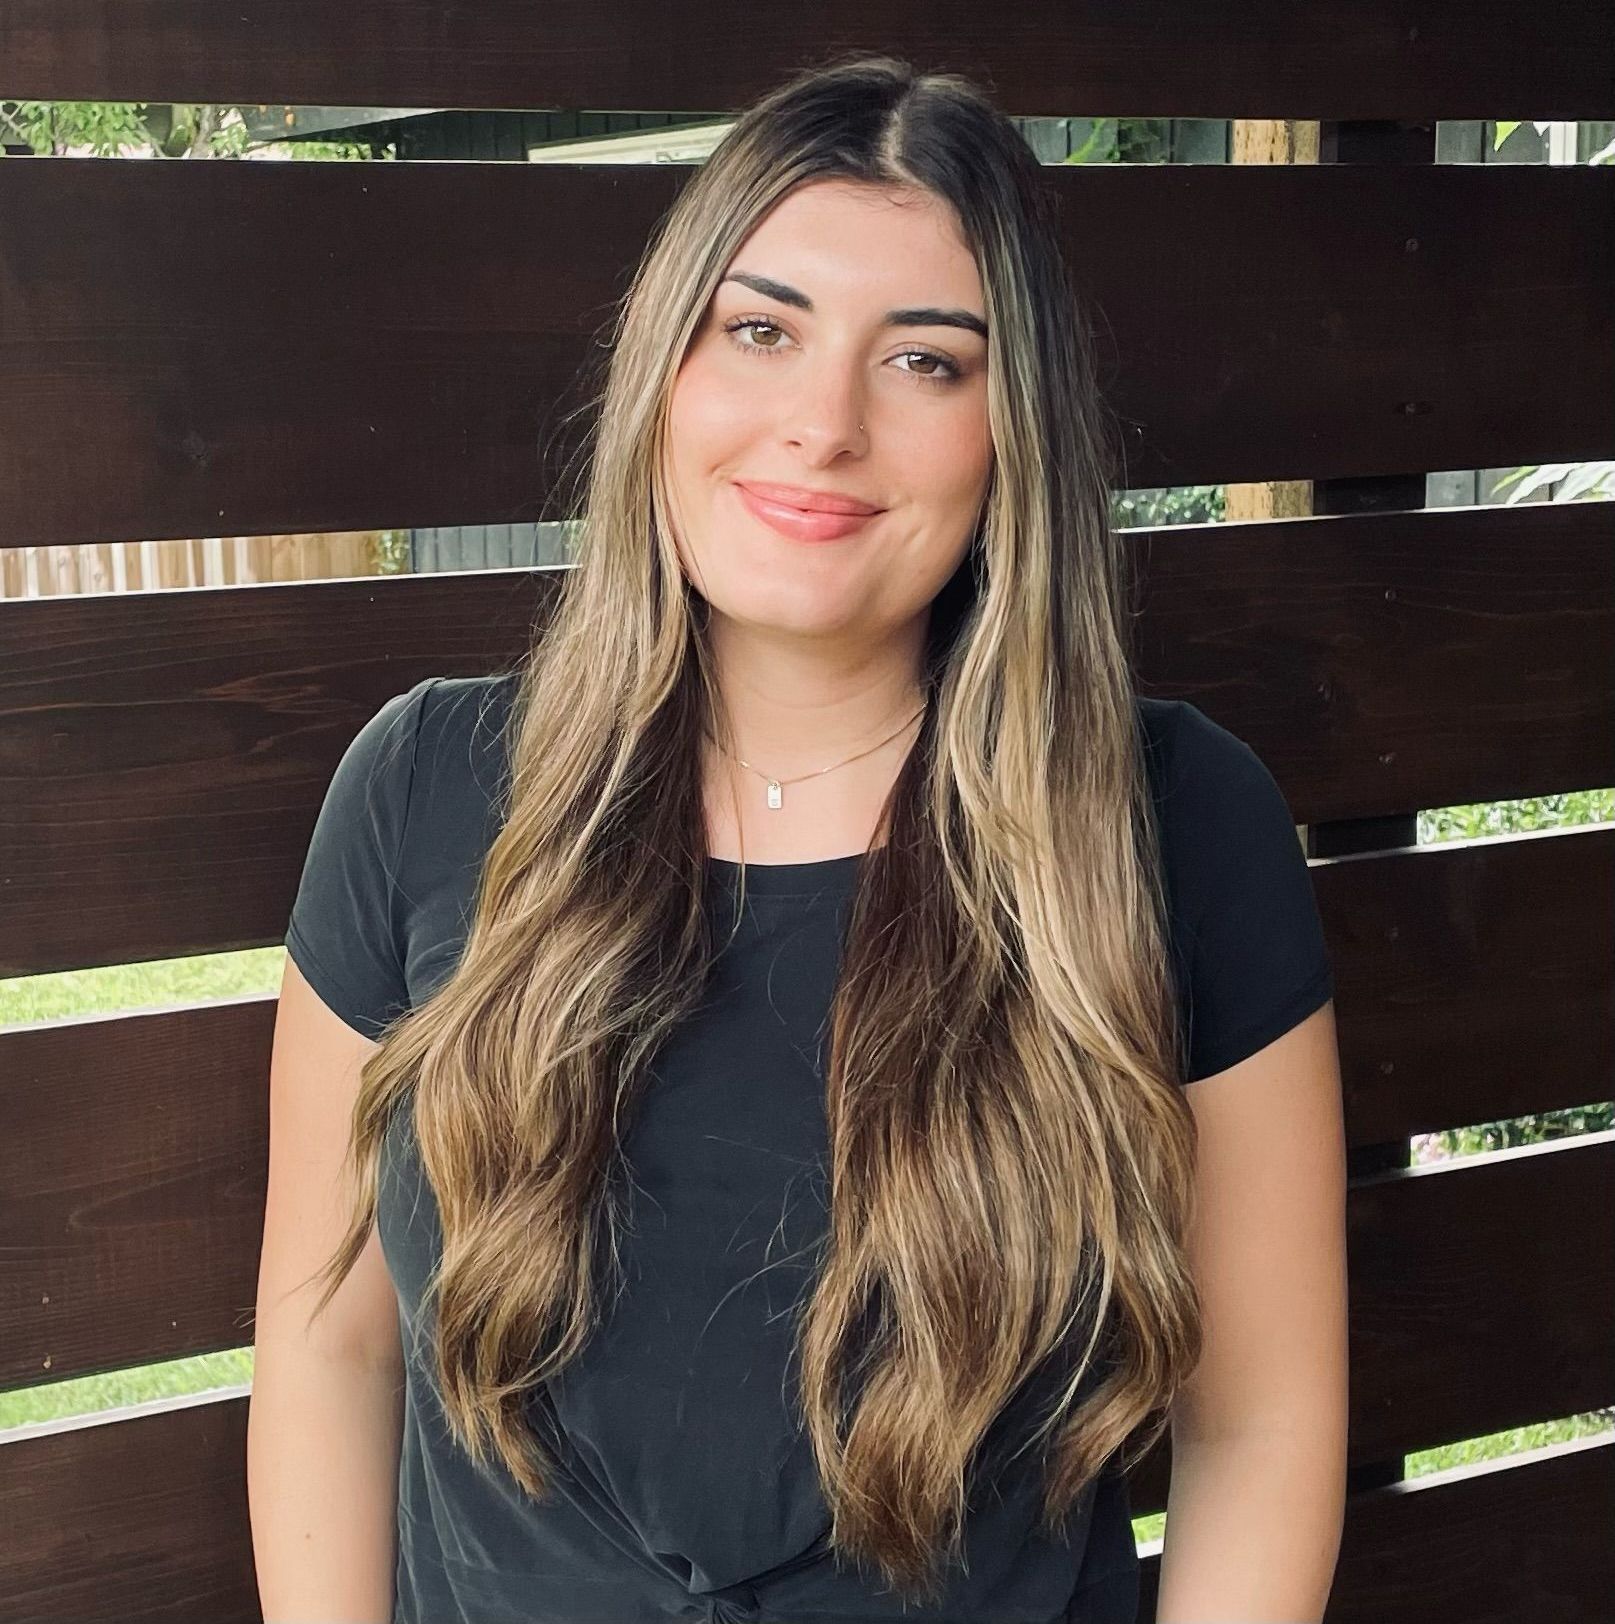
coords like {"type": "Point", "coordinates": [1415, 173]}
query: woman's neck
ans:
{"type": "Point", "coordinates": [820, 815]}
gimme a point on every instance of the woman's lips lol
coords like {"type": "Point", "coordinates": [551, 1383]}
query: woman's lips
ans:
{"type": "Point", "coordinates": [801, 524]}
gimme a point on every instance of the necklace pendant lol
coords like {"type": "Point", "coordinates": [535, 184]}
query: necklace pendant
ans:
{"type": "Point", "coordinates": [776, 796]}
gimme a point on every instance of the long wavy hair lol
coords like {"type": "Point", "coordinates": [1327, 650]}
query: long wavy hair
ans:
{"type": "Point", "coordinates": [1011, 1153]}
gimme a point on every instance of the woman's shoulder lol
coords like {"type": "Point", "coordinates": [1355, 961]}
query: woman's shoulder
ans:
{"type": "Point", "coordinates": [1196, 764]}
{"type": "Point", "coordinates": [1224, 823]}
{"type": "Point", "coordinates": [461, 757]}
{"type": "Point", "coordinates": [1240, 887]}
{"type": "Point", "coordinates": [464, 720]}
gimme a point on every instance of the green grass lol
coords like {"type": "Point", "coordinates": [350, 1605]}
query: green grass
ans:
{"type": "Point", "coordinates": [88, 1395]}
{"type": "Point", "coordinates": [1516, 1441]}
{"type": "Point", "coordinates": [126, 988]}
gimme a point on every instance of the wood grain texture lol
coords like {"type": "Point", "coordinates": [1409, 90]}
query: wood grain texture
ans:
{"type": "Point", "coordinates": [356, 346]}
{"type": "Point", "coordinates": [1455, 59]}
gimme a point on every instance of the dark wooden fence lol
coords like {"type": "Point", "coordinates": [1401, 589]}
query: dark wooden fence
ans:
{"type": "Point", "coordinates": [185, 346]}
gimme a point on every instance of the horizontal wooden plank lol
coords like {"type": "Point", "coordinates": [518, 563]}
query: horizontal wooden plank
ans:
{"type": "Point", "coordinates": [1170, 58]}
{"type": "Point", "coordinates": [145, 1520]}
{"type": "Point", "coordinates": [1468, 1314]}
{"type": "Point", "coordinates": [141, 1243]}
{"type": "Point", "coordinates": [1388, 663]}
{"type": "Point", "coordinates": [1253, 322]}
{"type": "Point", "coordinates": [1470, 1308]}
{"type": "Point", "coordinates": [1476, 980]}
{"type": "Point", "coordinates": [133, 1519]}
{"type": "Point", "coordinates": [234, 741]}
{"type": "Point", "coordinates": [166, 753]}
{"type": "Point", "coordinates": [1516, 1542]}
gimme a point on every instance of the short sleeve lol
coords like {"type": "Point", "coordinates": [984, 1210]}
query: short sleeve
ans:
{"type": "Point", "coordinates": [1259, 961]}
{"type": "Point", "coordinates": [342, 934]}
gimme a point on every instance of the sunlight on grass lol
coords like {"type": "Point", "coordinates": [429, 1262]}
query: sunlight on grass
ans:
{"type": "Point", "coordinates": [88, 1395]}
{"type": "Point", "coordinates": [1516, 1441]}
{"type": "Point", "coordinates": [124, 988]}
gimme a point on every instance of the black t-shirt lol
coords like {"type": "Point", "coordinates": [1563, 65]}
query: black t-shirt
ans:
{"type": "Point", "coordinates": [688, 1490]}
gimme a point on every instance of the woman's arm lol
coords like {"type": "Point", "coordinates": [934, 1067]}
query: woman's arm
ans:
{"type": "Point", "coordinates": [323, 1440]}
{"type": "Point", "coordinates": [325, 1418]}
{"type": "Point", "coordinates": [1257, 1499]}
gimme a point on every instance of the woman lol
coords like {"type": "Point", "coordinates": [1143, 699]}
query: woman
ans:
{"type": "Point", "coordinates": [791, 973]}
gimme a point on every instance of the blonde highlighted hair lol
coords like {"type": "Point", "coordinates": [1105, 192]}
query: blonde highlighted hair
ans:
{"type": "Point", "coordinates": [1010, 1151]}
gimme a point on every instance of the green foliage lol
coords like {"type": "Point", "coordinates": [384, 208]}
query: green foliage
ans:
{"type": "Point", "coordinates": [392, 553]}
{"type": "Point", "coordinates": [146, 130]}
{"type": "Point", "coordinates": [1529, 816]}
{"type": "Point", "coordinates": [1169, 504]}
{"type": "Point", "coordinates": [1124, 141]}
{"type": "Point", "coordinates": [46, 128]}
{"type": "Point", "coordinates": [1099, 146]}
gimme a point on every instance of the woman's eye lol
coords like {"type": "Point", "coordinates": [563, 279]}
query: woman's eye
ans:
{"type": "Point", "coordinates": [948, 372]}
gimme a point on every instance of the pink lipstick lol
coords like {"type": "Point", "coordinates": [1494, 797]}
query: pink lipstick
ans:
{"type": "Point", "coordinates": [803, 524]}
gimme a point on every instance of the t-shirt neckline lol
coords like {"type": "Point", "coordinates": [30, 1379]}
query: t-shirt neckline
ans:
{"type": "Point", "coordinates": [787, 879]}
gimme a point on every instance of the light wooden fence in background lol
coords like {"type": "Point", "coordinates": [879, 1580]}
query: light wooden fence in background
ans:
{"type": "Point", "coordinates": [141, 566]}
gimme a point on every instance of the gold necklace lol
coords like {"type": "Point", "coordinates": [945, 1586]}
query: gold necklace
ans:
{"type": "Point", "coordinates": [776, 794]}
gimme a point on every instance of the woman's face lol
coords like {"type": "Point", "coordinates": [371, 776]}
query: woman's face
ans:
{"type": "Point", "coordinates": [840, 398]}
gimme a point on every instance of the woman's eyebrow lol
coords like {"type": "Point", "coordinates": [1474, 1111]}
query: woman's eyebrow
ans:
{"type": "Point", "coordinates": [918, 316]}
